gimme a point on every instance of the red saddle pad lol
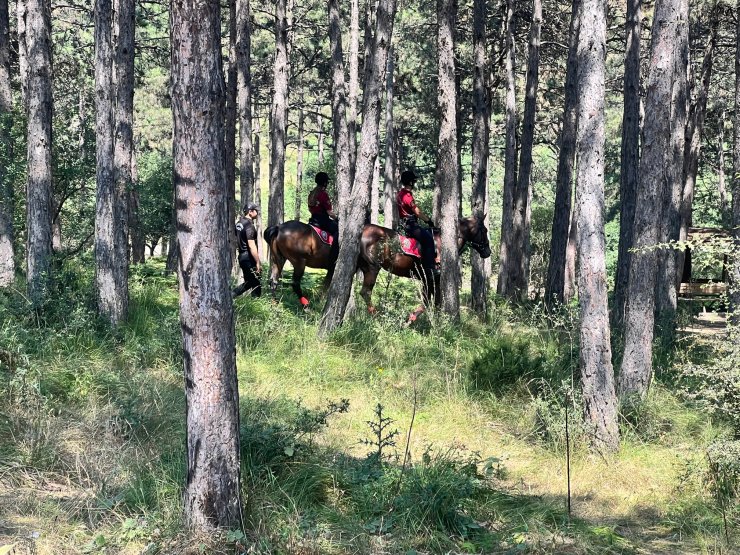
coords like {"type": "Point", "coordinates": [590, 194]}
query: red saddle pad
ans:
{"type": "Point", "coordinates": [323, 235]}
{"type": "Point", "coordinates": [409, 246]}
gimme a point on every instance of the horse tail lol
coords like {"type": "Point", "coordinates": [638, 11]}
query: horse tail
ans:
{"type": "Point", "coordinates": [270, 234]}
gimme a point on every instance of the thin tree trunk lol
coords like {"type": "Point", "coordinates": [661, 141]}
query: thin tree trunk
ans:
{"type": "Point", "coordinates": [39, 187]}
{"type": "Point", "coordinates": [354, 80]}
{"type": "Point", "coordinates": [481, 268]}
{"type": "Point", "coordinates": [21, 12]}
{"type": "Point", "coordinates": [279, 117]}
{"type": "Point", "coordinates": [299, 168]}
{"type": "Point", "coordinates": [320, 139]}
{"type": "Point", "coordinates": [693, 138]}
{"type": "Point", "coordinates": [523, 193]}
{"type": "Point", "coordinates": [660, 167]}
{"type": "Point", "coordinates": [447, 166]}
{"type": "Point", "coordinates": [597, 379]}
{"type": "Point", "coordinates": [244, 102]}
{"type": "Point", "coordinates": [138, 245]}
{"type": "Point", "coordinates": [504, 286]}
{"type": "Point", "coordinates": [7, 260]}
{"type": "Point", "coordinates": [230, 127]}
{"type": "Point", "coordinates": [124, 141]}
{"type": "Point", "coordinates": [375, 193]}
{"type": "Point", "coordinates": [342, 140]}
{"type": "Point", "coordinates": [630, 156]}
{"type": "Point", "coordinates": [390, 169]}
{"type": "Point", "coordinates": [735, 268]}
{"type": "Point", "coordinates": [569, 290]}
{"type": "Point", "coordinates": [341, 284]}
{"type": "Point", "coordinates": [721, 185]}
{"type": "Point", "coordinates": [667, 284]}
{"type": "Point", "coordinates": [561, 223]}
{"type": "Point", "coordinates": [206, 311]}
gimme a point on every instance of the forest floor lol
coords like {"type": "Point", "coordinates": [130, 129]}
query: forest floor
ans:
{"type": "Point", "coordinates": [91, 437]}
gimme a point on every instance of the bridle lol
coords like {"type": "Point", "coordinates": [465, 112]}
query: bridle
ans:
{"type": "Point", "coordinates": [477, 245]}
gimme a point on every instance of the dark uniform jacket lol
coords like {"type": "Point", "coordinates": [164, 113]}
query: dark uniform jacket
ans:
{"type": "Point", "coordinates": [245, 231]}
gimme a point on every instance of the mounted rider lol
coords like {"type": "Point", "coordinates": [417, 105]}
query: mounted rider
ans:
{"type": "Point", "coordinates": [409, 215]}
{"type": "Point", "coordinates": [319, 204]}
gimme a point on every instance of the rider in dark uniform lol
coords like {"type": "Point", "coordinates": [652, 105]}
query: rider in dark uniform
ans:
{"type": "Point", "coordinates": [409, 214]}
{"type": "Point", "coordinates": [319, 204]}
{"type": "Point", "coordinates": [249, 260]}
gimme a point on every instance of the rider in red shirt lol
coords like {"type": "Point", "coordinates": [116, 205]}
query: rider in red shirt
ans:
{"type": "Point", "coordinates": [410, 214]}
{"type": "Point", "coordinates": [319, 204]}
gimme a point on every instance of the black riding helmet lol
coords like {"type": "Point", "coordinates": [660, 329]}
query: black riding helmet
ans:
{"type": "Point", "coordinates": [408, 177]}
{"type": "Point", "coordinates": [322, 178]}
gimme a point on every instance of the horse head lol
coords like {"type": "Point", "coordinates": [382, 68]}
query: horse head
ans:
{"type": "Point", "coordinates": [473, 230]}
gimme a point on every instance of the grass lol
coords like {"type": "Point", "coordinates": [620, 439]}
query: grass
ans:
{"type": "Point", "coordinates": [92, 435]}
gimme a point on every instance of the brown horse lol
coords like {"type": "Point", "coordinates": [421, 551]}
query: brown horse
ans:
{"type": "Point", "coordinates": [298, 243]}
{"type": "Point", "coordinates": [380, 248]}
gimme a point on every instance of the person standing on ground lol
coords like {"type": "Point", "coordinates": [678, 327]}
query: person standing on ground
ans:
{"type": "Point", "coordinates": [249, 260]}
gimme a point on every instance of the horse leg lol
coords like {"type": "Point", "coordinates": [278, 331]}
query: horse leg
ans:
{"type": "Point", "coordinates": [277, 261]}
{"type": "Point", "coordinates": [299, 267]}
{"type": "Point", "coordinates": [369, 277]}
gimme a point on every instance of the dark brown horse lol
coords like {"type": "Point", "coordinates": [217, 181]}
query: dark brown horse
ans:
{"type": "Point", "coordinates": [380, 248]}
{"type": "Point", "coordinates": [298, 243]}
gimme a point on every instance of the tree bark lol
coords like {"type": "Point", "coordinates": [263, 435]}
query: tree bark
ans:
{"type": "Point", "coordinates": [630, 155]}
{"type": "Point", "coordinates": [660, 167]}
{"type": "Point", "coordinates": [375, 193]}
{"type": "Point", "coordinates": [481, 268]}
{"type": "Point", "coordinates": [21, 12]}
{"type": "Point", "coordinates": [244, 102]}
{"type": "Point", "coordinates": [320, 138]}
{"type": "Point", "coordinates": [721, 180]}
{"type": "Point", "coordinates": [299, 167]}
{"type": "Point", "coordinates": [341, 284]}
{"type": "Point", "coordinates": [694, 130]}
{"type": "Point", "coordinates": [519, 267]}
{"type": "Point", "coordinates": [735, 268]}
{"type": "Point", "coordinates": [109, 287]}
{"type": "Point", "coordinates": [597, 380]}
{"type": "Point", "coordinates": [124, 141]}
{"type": "Point", "coordinates": [342, 140]}
{"type": "Point", "coordinates": [206, 311]}
{"type": "Point", "coordinates": [447, 165]}
{"type": "Point", "coordinates": [230, 126]}
{"type": "Point", "coordinates": [561, 223]}
{"type": "Point", "coordinates": [354, 80]}
{"type": "Point", "coordinates": [504, 286]}
{"type": "Point", "coordinates": [39, 186]}
{"type": "Point", "coordinates": [279, 117]}
{"type": "Point", "coordinates": [138, 246]}
{"type": "Point", "coordinates": [7, 260]}
{"type": "Point", "coordinates": [390, 169]}
{"type": "Point", "coordinates": [667, 285]}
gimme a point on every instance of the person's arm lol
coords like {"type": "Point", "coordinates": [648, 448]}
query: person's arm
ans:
{"type": "Point", "coordinates": [255, 255]}
{"type": "Point", "coordinates": [420, 214]}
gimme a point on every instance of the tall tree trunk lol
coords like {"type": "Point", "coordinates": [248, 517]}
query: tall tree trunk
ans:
{"type": "Point", "coordinates": [597, 379]}
{"type": "Point", "coordinates": [721, 186]}
{"type": "Point", "coordinates": [481, 268]}
{"type": "Point", "coordinates": [667, 284]}
{"type": "Point", "coordinates": [557, 266]}
{"type": "Point", "coordinates": [569, 290]}
{"type": "Point", "coordinates": [694, 129]}
{"type": "Point", "coordinates": [663, 140]}
{"type": "Point", "coordinates": [279, 117]}
{"type": "Point", "coordinates": [230, 126]}
{"type": "Point", "coordinates": [390, 169]}
{"type": "Point", "coordinates": [320, 139]}
{"type": "Point", "coordinates": [299, 167]}
{"type": "Point", "coordinates": [735, 270]}
{"type": "Point", "coordinates": [39, 186]}
{"type": "Point", "coordinates": [244, 102]}
{"type": "Point", "coordinates": [342, 140]}
{"type": "Point", "coordinates": [523, 193]}
{"type": "Point", "coordinates": [125, 11]}
{"type": "Point", "coordinates": [447, 165]}
{"type": "Point", "coordinates": [375, 193]}
{"type": "Point", "coordinates": [504, 286]}
{"type": "Point", "coordinates": [21, 12]}
{"type": "Point", "coordinates": [206, 311]}
{"type": "Point", "coordinates": [111, 292]}
{"type": "Point", "coordinates": [354, 80]}
{"type": "Point", "coordinates": [7, 261]}
{"type": "Point", "coordinates": [349, 246]}
{"type": "Point", "coordinates": [630, 156]}
{"type": "Point", "coordinates": [138, 246]}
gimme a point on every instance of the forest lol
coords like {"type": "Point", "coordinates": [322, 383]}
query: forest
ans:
{"type": "Point", "coordinates": [187, 367]}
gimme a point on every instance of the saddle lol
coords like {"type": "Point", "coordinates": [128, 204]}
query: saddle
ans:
{"type": "Point", "coordinates": [325, 237]}
{"type": "Point", "coordinates": [411, 247]}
